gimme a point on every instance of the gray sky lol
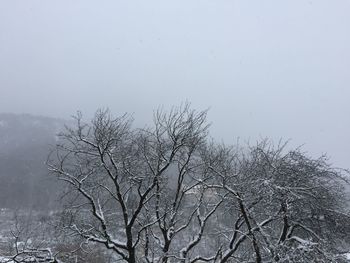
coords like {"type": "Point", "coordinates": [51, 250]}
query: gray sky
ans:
{"type": "Point", "coordinates": [278, 69]}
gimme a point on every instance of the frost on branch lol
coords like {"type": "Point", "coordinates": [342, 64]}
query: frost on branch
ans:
{"type": "Point", "coordinates": [167, 193]}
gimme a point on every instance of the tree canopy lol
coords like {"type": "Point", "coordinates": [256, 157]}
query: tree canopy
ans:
{"type": "Point", "coordinates": [169, 193]}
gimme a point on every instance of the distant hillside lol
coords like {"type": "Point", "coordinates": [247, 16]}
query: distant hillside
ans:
{"type": "Point", "coordinates": [25, 141]}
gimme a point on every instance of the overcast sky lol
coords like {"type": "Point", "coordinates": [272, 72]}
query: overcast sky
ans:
{"type": "Point", "coordinates": [277, 69]}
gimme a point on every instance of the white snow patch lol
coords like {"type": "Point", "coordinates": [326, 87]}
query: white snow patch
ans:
{"type": "Point", "coordinates": [5, 260]}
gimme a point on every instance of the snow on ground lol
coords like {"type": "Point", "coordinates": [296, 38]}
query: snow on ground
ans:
{"type": "Point", "coordinates": [5, 260]}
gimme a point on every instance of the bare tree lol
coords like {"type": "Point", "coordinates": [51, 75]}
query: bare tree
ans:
{"type": "Point", "coordinates": [128, 185]}
{"type": "Point", "coordinates": [287, 207]}
{"type": "Point", "coordinates": [167, 194]}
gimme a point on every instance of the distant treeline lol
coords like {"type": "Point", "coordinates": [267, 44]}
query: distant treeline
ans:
{"type": "Point", "coordinates": [25, 141]}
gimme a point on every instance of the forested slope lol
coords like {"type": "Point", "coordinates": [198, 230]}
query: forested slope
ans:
{"type": "Point", "coordinates": [24, 145]}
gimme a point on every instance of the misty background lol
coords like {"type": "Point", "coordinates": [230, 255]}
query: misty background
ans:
{"type": "Point", "coordinates": [276, 69]}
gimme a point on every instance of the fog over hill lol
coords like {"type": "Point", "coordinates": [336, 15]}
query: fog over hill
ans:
{"type": "Point", "coordinates": [25, 141]}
